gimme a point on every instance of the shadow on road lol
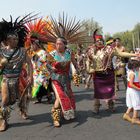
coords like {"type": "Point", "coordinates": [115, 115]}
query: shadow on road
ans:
{"type": "Point", "coordinates": [83, 116]}
{"type": "Point", "coordinates": [35, 119]}
{"type": "Point", "coordinates": [80, 97]}
{"type": "Point", "coordinates": [84, 91]}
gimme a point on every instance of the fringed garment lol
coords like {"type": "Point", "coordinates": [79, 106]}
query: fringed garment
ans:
{"type": "Point", "coordinates": [11, 72]}
{"type": "Point", "coordinates": [41, 75]}
{"type": "Point", "coordinates": [61, 83]}
{"type": "Point", "coordinates": [24, 90]}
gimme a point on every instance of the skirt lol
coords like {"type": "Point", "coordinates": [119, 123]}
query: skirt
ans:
{"type": "Point", "coordinates": [104, 85]}
{"type": "Point", "coordinates": [133, 98]}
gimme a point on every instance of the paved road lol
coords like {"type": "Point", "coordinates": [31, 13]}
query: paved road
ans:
{"type": "Point", "coordinates": [87, 125]}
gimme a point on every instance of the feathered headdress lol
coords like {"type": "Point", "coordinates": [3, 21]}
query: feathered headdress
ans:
{"type": "Point", "coordinates": [67, 28]}
{"type": "Point", "coordinates": [97, 36]}
{"type": "Point", "coordinates": [16, 27]}
{"type": "Point", "coordinates": [37, 32]}
{"type": "Point", "coordinates": [109, 41]}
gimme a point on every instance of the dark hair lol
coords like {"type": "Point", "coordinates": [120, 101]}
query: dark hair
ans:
{"type": "Point", "coordinates": [17, 27]}
{"type": "Point", "coordinates": [132, 64]}
{"type": "Point", "coordinates": [35, 40]}
{"type": "Point", "coordinates": [63, 40]}
{"type": "Point", "coordinates": [12, 33]}
{"type": "Point", "coordinates": [117, 39]}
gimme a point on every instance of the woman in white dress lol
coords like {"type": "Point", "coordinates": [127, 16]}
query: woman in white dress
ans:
{"type": "Point", "coordinates": [133, 92]}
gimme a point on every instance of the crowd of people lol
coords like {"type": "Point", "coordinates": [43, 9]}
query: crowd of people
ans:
{"type": "Point", "coordinates": [30, 69]}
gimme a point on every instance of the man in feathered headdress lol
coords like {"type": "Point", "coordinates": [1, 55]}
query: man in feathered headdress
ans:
{"type": "Point", "coordinates": [36, 40]}
{"type": "Point", "coordinates": [13, 56]}
{"type": "Point", "coordinates": [104, 78]}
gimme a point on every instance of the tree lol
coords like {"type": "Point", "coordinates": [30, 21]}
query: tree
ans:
{"type": "Point", "coordinates": [130, 39]}
{"type": "Point", "coordinates": [136, 36]}
{"type": "Point", "coordinates": [126, 39]}
{"type": "Point", "coordinates": [89, 25]}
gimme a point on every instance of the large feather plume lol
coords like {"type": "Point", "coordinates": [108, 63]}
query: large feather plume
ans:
{"type": "Point", "coordinates": [66, 27]}
{"type": "Point", "coordinates": [38, 29]}
{"type": "Point", "coordinates": [17, 26]}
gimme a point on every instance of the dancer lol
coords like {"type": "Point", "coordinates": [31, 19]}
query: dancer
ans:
{"type": "Point", "coordinates": [89, 73]}
{"type": "Point", "coordinates": [12, 35]}
{"type": "Point", "coordinates": [36, 41]}
{"type": "Point", "coordinates": [62, 35]}
{"type": "Point", "coordinates": [120, 64]}
{"type": "Point", "coordinates": [104, 78]}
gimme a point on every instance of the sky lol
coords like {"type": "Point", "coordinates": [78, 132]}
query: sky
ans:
{"type": "Point", "coordinates": [113, 15]}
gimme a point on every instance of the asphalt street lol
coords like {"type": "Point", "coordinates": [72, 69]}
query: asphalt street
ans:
{"type": "Point", "coordinates": [86, 126]}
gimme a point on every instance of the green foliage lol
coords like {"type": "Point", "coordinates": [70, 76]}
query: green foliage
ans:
{"type": "Point", "coordinates": [137, 28]}
{"type": "Point", "coordinates": [89, 26]}
{"type": "Point", "coordinates": [126, 37]}
{"type": "Point", "coordinates": [130, 39]}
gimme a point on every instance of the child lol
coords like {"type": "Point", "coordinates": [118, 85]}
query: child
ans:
{"type": "Point", "coordinates": [133, 92]}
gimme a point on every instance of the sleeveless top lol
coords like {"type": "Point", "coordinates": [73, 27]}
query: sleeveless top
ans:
{"type": "Point", "coordinates": [136, 79]}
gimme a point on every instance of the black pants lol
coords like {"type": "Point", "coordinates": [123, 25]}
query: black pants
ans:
{"type": "Point", "coordinates": [44, 92]}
